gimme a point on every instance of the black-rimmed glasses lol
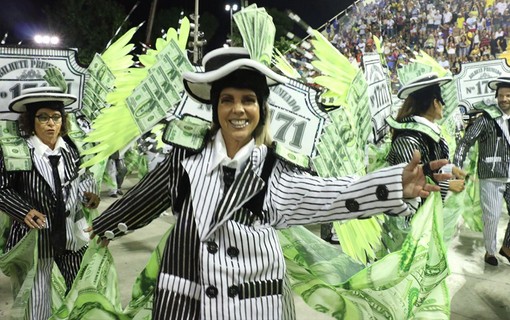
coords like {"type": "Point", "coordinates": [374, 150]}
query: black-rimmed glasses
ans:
{"type": "Point", "coordinates": [44, 118]}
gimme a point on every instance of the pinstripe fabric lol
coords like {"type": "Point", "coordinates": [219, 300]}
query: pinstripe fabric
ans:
{"type": "Point", "coordinates": [406, 141]}
{"type": "Point", "coordinates": [492, 194]}
{"type": "Point", "coordinates": [493, 147]}
{"type": "Point", "coordinates": [210, 248]}
{"type": "Point", "coordinates": [40, 297]}
{"type": "Point", "coordinates": [20, 191]}
{"type": "Point", "coordinates": [17, 199]}
{"type": "Point", "coordinates": [493, 136]}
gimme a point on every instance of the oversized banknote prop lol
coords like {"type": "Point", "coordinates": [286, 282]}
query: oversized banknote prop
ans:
{"type": "Point", "coordinates": [155, 95]}
{"type": "Point", "coordinates": [22, 68]}
{"type": "Point", "coordinates": [379, 94]}
{"type": "Point", "coordinates": [14, 150]}
{"type": "Point", "coordinates": [472, 82]}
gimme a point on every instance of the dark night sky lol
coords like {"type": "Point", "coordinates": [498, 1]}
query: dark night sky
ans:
{"type": "Point", "coordinates": [21, 18]}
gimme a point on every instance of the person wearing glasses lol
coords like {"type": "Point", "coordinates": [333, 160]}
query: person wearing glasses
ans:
{"type": "Point", "coordinates": [45, 193]}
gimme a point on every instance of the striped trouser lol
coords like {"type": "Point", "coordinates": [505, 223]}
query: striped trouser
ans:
{"type": "Point", "coordinates": [492, 194]}
{"type": "Point", "coordinates": [39, 304]}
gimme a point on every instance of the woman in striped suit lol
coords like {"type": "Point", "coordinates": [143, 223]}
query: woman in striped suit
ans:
{"type": "Point", "coordinates": [223, 259]}
{"type": "Point", "coordinates": [415, 129]}
{"type": "Point", "coordinates": [32, 197]}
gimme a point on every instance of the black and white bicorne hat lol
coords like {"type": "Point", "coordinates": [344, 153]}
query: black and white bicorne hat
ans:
{"type": "Point", "coordinates": [38, 95]}
{"type": "Point", "coordinates": [422, 82]}
{"type": "Point", "coordinates": [220, 63]}
{"type": "Point", "coordinates": [503, 80]}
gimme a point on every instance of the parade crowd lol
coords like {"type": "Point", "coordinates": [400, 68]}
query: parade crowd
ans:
{"type": "Point", "coordinates": [453, 32]}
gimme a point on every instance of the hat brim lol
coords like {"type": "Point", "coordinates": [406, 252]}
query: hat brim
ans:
{"type": "Point", "coordinates": [405, 91]}
{"type": "Point", "coordinates": [198, 84]}
{"type": "Point", "coordinates": [19, 104]}
{"type": "Point", "coordinates": [493, 84]}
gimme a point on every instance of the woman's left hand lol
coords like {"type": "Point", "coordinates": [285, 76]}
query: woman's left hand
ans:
{"type": "Point", "coordinates": [92, 200]}
{"type": "Point", "coordinates": [414, 180]}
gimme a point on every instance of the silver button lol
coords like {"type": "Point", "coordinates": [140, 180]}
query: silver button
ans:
{"type": "Point", "coordinates": [122, 227]}
{"type": "Point", "coordinates": [109, 235]}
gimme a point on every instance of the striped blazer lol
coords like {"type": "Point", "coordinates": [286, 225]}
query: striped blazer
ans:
{"type": "Point", "coordinates": [421, 137]}
{"type": "Point", "coordinates": [493, 148]}
{"type": "Point", "coordinates": [21, 191]}
{"type": "Point", "coordinates": [222, 261]}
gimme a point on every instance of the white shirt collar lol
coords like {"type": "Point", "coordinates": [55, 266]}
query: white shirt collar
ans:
{"type": "Point", "coordinates": [40, 149]}
{"type": "Point", "coordinates": [428, 123]}
{"type": "Point", "coordinates": [220, 156]}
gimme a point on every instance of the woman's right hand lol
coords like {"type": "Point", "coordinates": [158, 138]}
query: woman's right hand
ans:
{"type": "Point", "coordinates": [35, 219]}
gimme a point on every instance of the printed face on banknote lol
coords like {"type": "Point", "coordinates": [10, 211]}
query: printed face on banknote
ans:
{"type": "Point", "coordinates": [48, 123]}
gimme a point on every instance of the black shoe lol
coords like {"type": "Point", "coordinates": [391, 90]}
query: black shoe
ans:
{"type": "Point", "coordinates": [492, 260]}
{"type": "Point", "coordinates": [114, 195]}
{"type": "Point", "coordinates": [120, 193]}
{"type": "Point", "coordinates": [501, 252]}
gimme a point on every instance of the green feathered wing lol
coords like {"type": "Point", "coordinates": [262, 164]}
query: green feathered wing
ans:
{"type": "Point", "coordinates": [341, 148]}
{"type": "Point", "coordinates": [142, 97]}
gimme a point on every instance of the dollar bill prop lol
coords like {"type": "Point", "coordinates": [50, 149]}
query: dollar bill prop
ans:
{"type": "Point", "coordinates": [407, 284]}
{"type": "Point", "coordinates": [136, 111]}
{"type": "Point", "coordinates": [19, 264]}
{"type": "Point", "coordinates": [55, 78]}
{"type": "Point", "coordinates": [14, 147]}
{"type": "Point", "coordinates": [467, 203]}
{"type": "Point", "coordinates": [259, 44]}
{"type": "Point", "coordinates": [160, 91]}
{"type": "Point", "coordinates": [95, 292]}
{"type": "Point", "coordinates": [189, 132]}
{"type": "Point", "coordinates": [99, 83]}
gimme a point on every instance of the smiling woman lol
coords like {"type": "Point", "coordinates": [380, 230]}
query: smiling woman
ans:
{"type": "Point", "coordinates": [223, 258]}
{"type": "Point", "coordinates": [239, 116]}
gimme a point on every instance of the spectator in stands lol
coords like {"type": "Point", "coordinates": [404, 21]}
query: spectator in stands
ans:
{"type": "Point", "coordinates": [451, 49]}
{"type": "Point", "coordinates": [464, 45]}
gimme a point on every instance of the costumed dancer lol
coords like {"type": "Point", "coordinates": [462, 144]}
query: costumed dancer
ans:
{"type": "Point", "coordinates": [223, 258]}
{"type": "Point", "coordinates": [492, 132]}
{"type": "Point", "coordinates": [46, 193]}
{"type": "Point", "coordinates": [415, 127]}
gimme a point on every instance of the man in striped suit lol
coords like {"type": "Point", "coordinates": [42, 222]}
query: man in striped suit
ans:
{"type": "Point", "coordinates": [223, 259]}
{"type": "Point", "coordinates": [45, 194]}
{"type": "Point", "coordinates": [492, 132]}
